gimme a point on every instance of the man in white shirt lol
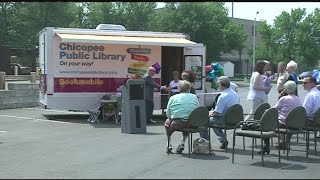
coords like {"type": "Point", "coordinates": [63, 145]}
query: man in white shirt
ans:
{"type": "Point", "coordinates": [312, 100]}
{"type": "Point", "coordinates": [282, 76]}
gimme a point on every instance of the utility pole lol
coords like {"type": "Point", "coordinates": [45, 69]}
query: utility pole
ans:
{"type": "Point", "coordinates": [232, 9]}
{"type": "Point", "coordinates": [254, 42]}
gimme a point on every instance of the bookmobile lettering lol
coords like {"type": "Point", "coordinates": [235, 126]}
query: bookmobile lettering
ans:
{"type": "Point", "coordinates": [73, 51]}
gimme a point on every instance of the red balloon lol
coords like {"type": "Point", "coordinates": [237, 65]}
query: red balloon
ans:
{"type": "Point", "coordinates": [208, 68]}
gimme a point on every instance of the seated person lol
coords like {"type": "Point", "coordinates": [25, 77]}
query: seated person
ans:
{"type": "Point", "coordinates": [173, 86]}
{"type": "Point", "coordinates": [179, 108]}
{"type": "Point", "coordinates": [227, 98]}
{"type": "Point", "coordinates": [284, 105]}
{"type": "Point", "coordinates": [312, 100]}
{"type": "Point", "coordinates": [189, 76]}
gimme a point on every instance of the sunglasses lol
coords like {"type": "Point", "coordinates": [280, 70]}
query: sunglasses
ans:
{"type": "Point", "coordinates": [305, 82]}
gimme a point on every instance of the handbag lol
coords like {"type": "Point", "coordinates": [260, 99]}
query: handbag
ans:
{"type": "Point", "coordinates": [201, 146]}
{"type": "Point", "coordinates": [251, 125]}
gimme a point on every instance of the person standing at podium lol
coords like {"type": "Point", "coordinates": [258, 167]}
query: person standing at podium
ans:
{"type": "Point", "coordinates": [150, 85]}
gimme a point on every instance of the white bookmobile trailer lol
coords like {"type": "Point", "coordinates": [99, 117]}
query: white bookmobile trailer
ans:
{"type": "Point", "coordinates": [79, 66]}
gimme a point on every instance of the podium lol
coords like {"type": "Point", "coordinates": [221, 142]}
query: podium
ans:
{"type": "Point", "coordinates": [133, 117]}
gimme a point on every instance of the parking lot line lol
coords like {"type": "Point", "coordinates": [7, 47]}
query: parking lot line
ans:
{"type": "Point", "coordinates": [53, 110]}
{"type": "Point", "coordinates": [34, 119]}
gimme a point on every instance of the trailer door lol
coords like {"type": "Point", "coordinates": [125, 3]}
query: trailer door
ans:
{"type": "Point", "coordinates": [43, 69]}
{"type": "Point", "coordinates": [195, 60]}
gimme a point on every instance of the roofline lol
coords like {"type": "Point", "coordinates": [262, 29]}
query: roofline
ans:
{"type": "Point", "coordinates": [116, 33]}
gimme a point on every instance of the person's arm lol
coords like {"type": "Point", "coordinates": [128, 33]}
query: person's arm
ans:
{"type": "Point", "coordinates": [256, 86]}
{"type": "Point", "coordinates": [279, 103]}
{"type": "Point", "coordinates": [307, 104]}
{"type": "Point", "coordinates": [168, 109]}
{"type": "Point", "coordinates": [270, 78]}
{"type": "Point", "coordinates": [149, 82]}
{"type": "Point", "coordinates": [219, 107]}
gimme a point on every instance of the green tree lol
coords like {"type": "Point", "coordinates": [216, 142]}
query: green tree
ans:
{"type": "Point", "coordinates": [205, 22]}
{"type": "Point", "coordinates": [132, 15]}
{"type": "Point", "coordinates": [29, 18]}
{"type": "Point", "coordinates": [7, 10]}
{"type": "Point", "coordinates": [80, 13]}
{"type": "Point", "coordinates": [100, 13]}
{"type": "Point", "coordinates": [294, 36]}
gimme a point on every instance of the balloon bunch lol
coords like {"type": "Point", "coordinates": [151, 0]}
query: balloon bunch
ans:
{"type": "Point", "coordinates": [214, 71]}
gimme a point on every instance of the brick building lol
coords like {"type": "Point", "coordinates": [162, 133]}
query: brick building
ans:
{"type": "Point", "coordinates": [243, 61]}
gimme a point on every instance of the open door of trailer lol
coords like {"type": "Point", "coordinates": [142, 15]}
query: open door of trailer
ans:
{"type": "Point", "coordinates": [195, 60]}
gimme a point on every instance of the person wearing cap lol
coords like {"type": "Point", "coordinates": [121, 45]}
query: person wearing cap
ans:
{"type": "Point", "coordinates": [148, 94]}
{"type": "Point", "coordinates": [227, 98]}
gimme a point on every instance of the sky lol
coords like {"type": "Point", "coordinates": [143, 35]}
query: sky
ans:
{"type": "Point", "coordinates": [267, 10]}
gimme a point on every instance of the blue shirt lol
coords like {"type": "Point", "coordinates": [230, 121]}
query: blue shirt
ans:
{"type": "Point", "coordinates": [181, 105]}
{"type": "Point", "coordinates": [227, 98]}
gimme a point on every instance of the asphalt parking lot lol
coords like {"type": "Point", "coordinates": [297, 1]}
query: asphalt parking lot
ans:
{"type": "Point", "coordinates": [40, 143]}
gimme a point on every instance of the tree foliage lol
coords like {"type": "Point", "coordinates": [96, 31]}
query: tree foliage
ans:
{"type": "Point", "coordinates": [134, 16]}
{"type": "Point", "coordinates": [293, 36]}
{"type": "Point", "coordinates": [205, 22]}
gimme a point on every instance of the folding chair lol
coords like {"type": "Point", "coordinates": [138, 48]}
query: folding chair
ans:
{"type": "Point", "coordinates": [94, 113]}
{"type": "Point", "coordinates": [119, 104]}
{"type": "Point", "coordinates": [197, 122]}
{"type": "Point", "coordinates": [268, 126]}
{"type": "Point", "coordinates": [256, 117]}
{"type": "Point", "coordinates": [314, 126]}
{"type": "Point", "coordinates": [295, 122]}
{"type": "Point", "coordinates": [232, 117]}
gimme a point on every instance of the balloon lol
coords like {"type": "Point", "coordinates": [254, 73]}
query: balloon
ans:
{"type": "Point", "coordinates": [208, 68]}
{"type": "Point", "coordinates": [157, 67]}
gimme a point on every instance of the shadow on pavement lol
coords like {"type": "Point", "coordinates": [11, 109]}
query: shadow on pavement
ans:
{"type": "Point", "coordinates": [304, 158]}
{"type": "Point", "coordinates": [81, 119]}
{"type": "Point", "coordinates": [150, 133]}
{"type": "Point", "coordinates": [75, 118]}
{"type": "Point", "coordinates": [281, 166]}
{"type": "Point", "coordinates": [204, 156]}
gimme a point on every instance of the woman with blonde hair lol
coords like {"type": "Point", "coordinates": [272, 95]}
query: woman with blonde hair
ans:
{"type": "Point", "coordinates": [189, 76]}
